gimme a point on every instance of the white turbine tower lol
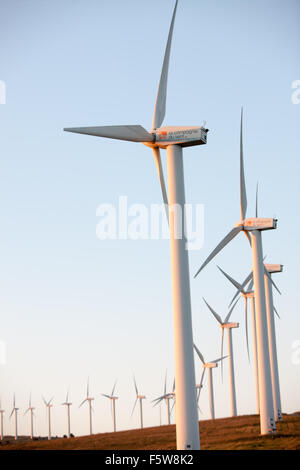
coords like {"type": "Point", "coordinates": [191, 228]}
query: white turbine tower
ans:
{"type": "Point", "coordinates": [112, 399]}
{"type": "Point", "coordinates": [228, 326]}
{"type": "Point", "coordinates": [139, 398]}
{"type": "Point", "coordinates": [173, 139]}
{"type": "Point", "coordinates": [272, 269]}
{"type": "Point", "coordinates": [15, 411]}
{"type": "Point", "coordinates": [89, 400]}
{"type": "Point", "coordinates": [48, 405]}
{"type": "Point", "coordinates": [67, 404]}
{"type": "Point", "coordinates": [255, 226]}
{"type": "Point", "coordinates": [2, 411]}
{"type": "Point", "coordinates": [30, 410]}
{"type": "Point", "coordinates": [209, 365]}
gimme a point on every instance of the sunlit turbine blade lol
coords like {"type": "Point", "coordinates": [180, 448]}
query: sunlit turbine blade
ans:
{"type": "Point", "coordinates": [112, 393]}
{"type": "Point", "coordinates": [219, 359]}
{"type": "Point", "coordinates": [256, 201]}
{"type": "Point", "coordinates": [243, 196]}
{"type": "Point", "coordinates": [270, 278]}
{"type": "Point", "coordinates": [233, 233]}
{"type": "Point", "coordinates": [246, 326]}
{"type": "Point", "coordinates": [199, 354]}
{"type": "Point", "coordinates": [250, 276]}
{"type": "Point", "coordinates": [160, 104]}
{"type": "Point", "coordinates": [135, 386]}
{"type": "Point", "coordinates": [248, 237]}
{"type": "Point", "coordinates": [233, 281]}
{"type": "Point", "coordinates": [131, 133]}
{"type": "Point", "coordinates": [217, 317]}
{"type": "Point", "coordinates": [202, 378]}
{"type": "Point", "coordinates": [157, 158]}
{"type": "Point", "coordinates": [136, 400]}
{"type": "Point", "coordinates": [230, 311]}
{"type": "Point", "coordinates": [275, 310]}
{"type": "Point", "coordinates": [82, 402]}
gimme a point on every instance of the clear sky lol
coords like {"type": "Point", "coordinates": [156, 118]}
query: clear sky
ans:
{"type": "Point", "coordinates": [72, 306]}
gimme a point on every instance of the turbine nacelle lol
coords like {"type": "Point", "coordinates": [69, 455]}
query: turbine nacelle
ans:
{"type": "Point", "coordinates": [185, 136]}
{"type": "Point", "coordinates": [257, 223]}
{"type": "Point", "coordinates": [210, 365]}
{"type": "Point", "coordinates": [230, 325]}
{"type": "Point", "coordinates": [274, 268]}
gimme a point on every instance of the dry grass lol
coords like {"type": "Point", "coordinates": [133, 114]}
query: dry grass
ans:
{"type": "Point", "coordinates": [237, 433]}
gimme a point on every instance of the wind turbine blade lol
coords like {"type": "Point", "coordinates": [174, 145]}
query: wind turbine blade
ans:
{"type": "Point", "coordinates": [233, 233]}
{"type": "Point", "coordinates": [199, 354]}
{"type": "Point", "coordinates": [256, 201]}
{"type": "Point", "coordinates": [26, 411]}
{"type": "Point", "coordinates": [11, 413]}
{"type": "Point", "coordinates": [134, 406]}
{"type": "Point", "coordinates": [14, 401]}
{"type": "Point", "coordinates": [135, 386]}
{"type": "Point", "coordinates": [49, 402]}
{"type": "Point", "coordinates": [173, 389]}
{"type": "Point", "coordinates": [250, 287]}
{"type": "Point", "coordinates": [161, 98]}
{"type": "Point", "coordinates": [220, 359]}
{"type": "Point", "coordinates": [250, 276]}
{"type": "Point", "coordinates": [243, 196]}
{"type": "Point", "coordinates": [157, 158]}
{"type": "Point", "coordinates": [246, 325]}
{"type": "Point", "coordinates": [248, 237]}
{"type": "Point", "coordinates": [44, 400]}
{"type": "Point", "coordinates": [270, 278]}
{"type": "Point", "coordinates": [82, 403]}
{"type": "Point", "coordinates": [112, 393]}
{"type": "Point", "coordinates": [106, 396]}
{"type": "Point", "coordinates": [230, 311]}
{"type": "Point", "coordinates": [217, 317]}
{"type": "Point", "coordinates": [275, 310]}
{"type": "Point", "coordinates": [233, 281]}
{"type": "Point", "coordinates": [130, 133]}
{"type": "Point", "coordinates": [202, 378]}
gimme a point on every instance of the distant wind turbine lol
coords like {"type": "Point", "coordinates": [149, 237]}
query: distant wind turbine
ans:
{"type": "Point", "coordinates": [15, 411]}
{"type": "Point", "coordinates": [30, 410]}
{"type": "Point", "coordinates": [89, 400]}
{"type": "Point", "coordinates": [173, 139]}
{"type": "Point", "coordinates": [2, 411]}
{"type": "Point", "coordinates": [167, 396]}
{"type": "Point", "coordinates": [139, 398]}
{"type": "Point", "coordinates": [112, 399]}
{"type": "Point", "coordinates": [48, 405]}
{"type": "Point", "coordinates": [228, 326]}
{"type": "Point", "coordinates": [67, 404]}
{"type": "Point", "coordinates": [209, 365]}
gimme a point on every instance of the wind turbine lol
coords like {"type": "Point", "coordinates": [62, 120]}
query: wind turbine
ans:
{"type": "Point", "coordinates": [272, 269]}
{"type": "Point", "coordinates": [67, 404]}
{"type": "Point", "coordinates": [167, 396]}
{"type": "Point", "coordinates": [30, 409]}
{"type": "Point", "coordinates": [173, 139]}
{"type": "Point", "coordinates": [208, 365]}
{"type": "Point", "coordinates": [15, 411]}
{"type": "Point", "coordinates": [139, 398]}
{"type": "Point", "coordinates": [255, 226]}
{"type": "Point", "coordinates": [269, 283]}
{"type": "Point", "coordinates": [228, 326]}
{"type": "Point", "coordinates": [112, 399]}
{"type": "Point", "coordinates": [89, 400]}
{"type": "Point", "coordinates": [2, 411]}
{"type": "Point", "coordinates": [248, 294]}
{"type": "Point", "coordinates": [48, 405]}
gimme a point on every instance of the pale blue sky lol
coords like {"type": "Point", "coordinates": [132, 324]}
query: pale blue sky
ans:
{"type": "Point", "coordinates": [73, 306]}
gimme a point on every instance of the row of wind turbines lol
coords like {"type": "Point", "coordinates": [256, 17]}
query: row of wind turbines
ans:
{"type": "Point", "coordinates": [174, 139]}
